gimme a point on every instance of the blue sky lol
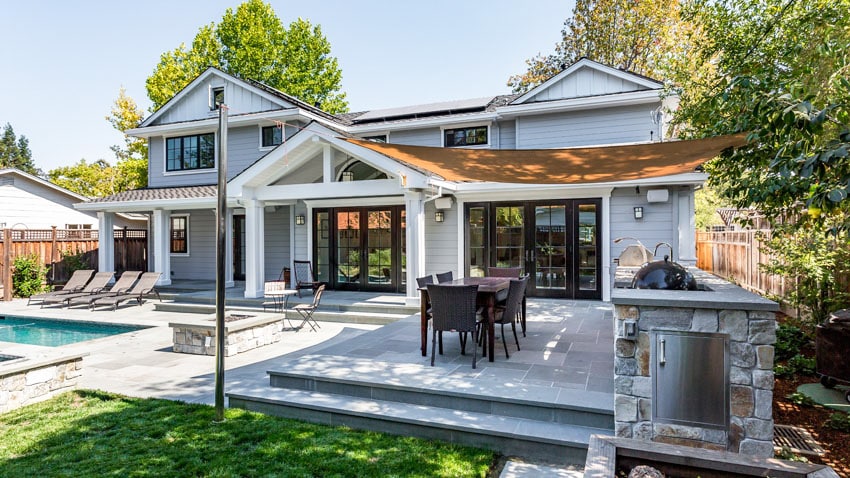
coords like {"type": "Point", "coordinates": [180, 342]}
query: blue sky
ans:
{"type": "Point", "coordinates": [64, 62]}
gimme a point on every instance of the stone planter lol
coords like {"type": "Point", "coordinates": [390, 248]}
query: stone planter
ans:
{"type": "Point", "coordinates": [24, 381]}
{"type": "Point", "coordinates": [246, 333]}
{"type": "Point", "coordinates": [607, 455]}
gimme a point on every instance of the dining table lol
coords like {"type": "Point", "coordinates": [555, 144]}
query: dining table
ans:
{"type": "Point", "coordinates": [490, 290]}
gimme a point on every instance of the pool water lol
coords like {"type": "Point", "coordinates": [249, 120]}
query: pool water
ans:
{"type": "Point", "coordinates": [53, 333]}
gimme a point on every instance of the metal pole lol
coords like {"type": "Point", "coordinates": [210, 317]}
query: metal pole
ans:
{"type": "Point", "coordinates": [220, 254]}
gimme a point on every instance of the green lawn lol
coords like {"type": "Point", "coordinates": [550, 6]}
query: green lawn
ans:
{"type": "Point", "coordinates": [91, 433]}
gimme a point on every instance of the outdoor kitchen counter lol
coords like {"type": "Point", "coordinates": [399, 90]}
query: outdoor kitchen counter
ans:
{"type": "Point", "coordinates": [721, 294]}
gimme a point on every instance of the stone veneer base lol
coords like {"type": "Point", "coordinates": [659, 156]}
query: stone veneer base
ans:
{"type": "Point", "coordinates": [25, 381]}
{"type": "Point", "coordinates": [198, 337]}
{"type": "Point", "coordinates": [749, 322]}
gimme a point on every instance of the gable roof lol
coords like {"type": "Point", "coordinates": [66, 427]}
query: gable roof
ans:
{"type": "Point", "coordinates": [42, 182]}
{"type": "Point", "coordinates": [560, 166]}
{"type": "Point", "coordinates": [640, 81]}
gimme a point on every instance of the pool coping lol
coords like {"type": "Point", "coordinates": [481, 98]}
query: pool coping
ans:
{"type": "Point", "coordinates": [10, 367]}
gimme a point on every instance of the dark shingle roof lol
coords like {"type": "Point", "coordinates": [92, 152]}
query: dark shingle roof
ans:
{"type": "Point", "coordinates": [158, 194]}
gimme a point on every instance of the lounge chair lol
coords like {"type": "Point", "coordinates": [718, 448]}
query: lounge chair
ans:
{"type": "Point", "coordinates": [97, 284]}
{"type": "Point", "coordinates": [127, 279]}
{"type": "Point", "coordinates": [145, 286]}
{"type": "Point", "coordinates": [76, 283]}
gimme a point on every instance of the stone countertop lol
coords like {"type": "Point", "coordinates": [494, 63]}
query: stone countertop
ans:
{"type": "Point", "coordinates": [721, 294]}
{"type": "Point", "coordinates": [254, 319]}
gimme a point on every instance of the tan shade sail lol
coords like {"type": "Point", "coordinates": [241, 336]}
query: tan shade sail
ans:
{"type": "Point", "coordinates": [559, 166]}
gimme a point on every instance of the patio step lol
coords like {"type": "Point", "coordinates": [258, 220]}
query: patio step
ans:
{"type": "Point", "coordinates": [543, 423]}
{"type": "Point", "coordinates": [547, 441]}
{"type": "Point", "coordinates": [349, 317]}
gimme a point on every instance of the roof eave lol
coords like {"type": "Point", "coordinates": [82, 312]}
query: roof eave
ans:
{"type": "Point", "coordinates": [146, 205]}
{"type": "Point", "coordinates": [585, 102]}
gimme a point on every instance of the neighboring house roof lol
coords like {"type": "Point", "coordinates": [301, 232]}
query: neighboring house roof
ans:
{"type": "Point", "coordinates": [157, 194]}
{"type": "Point", "coordinates": [559, 166]}
{"type": "Point", "coordinates": [43, 182]}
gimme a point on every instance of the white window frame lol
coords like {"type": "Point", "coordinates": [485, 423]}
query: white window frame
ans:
{"type": "Point", "coordinates": [166, 172]}
{"type": "Point", "coordinates": [260, 137]}
{"type": "Point", "coordinates": [486, 145]}
{"type": "Point", "coordinates": [188, 235]}
{"type": "Point", "coordinates": [385, 134]}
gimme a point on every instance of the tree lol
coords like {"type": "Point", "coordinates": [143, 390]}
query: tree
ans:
{"type": "Point", "coordinates": [635, 35]}
{"type": "Point", "coordinates": [99, 178]}
{"type": "Point", "coordinates": [15, 152]}
{"type": "Point", "coordinates": [780, 70]}
{"type": "Point", "coordinates": [252, 43]}
{"type": "Point", "coordinates": [126, 115]}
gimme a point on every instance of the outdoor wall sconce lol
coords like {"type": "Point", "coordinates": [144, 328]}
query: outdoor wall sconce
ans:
{"type": "Point", "coordinates": [638, 212]}
{"type": "Point", "coordinates": [439, 216]}
{"type": "Point", "coordinates": [300, 219]}
{"type": "Point", "coordinates": [347, 176]}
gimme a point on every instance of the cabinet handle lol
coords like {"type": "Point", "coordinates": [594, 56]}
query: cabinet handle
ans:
{"type": "Point", "coordinates": [662, 352]}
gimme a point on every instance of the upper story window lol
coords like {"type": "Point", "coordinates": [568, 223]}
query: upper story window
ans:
{"type": "Point", "coordinates": [465, 136]}
{"type": "Point", "coordinates": [272, 136]}
{"type": "Point", "coordinates": [187, 153]}
{"type": "Point", "coordinates": [380, 138]}
{"type": "Point", "coordinates": [216, 98]}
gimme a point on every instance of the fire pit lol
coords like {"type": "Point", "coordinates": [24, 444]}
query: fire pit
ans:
{"type": "Point", "coordinates": [609, 457]}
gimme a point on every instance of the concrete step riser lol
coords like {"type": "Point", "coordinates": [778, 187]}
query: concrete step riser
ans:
{"type": "Point", "coordinates": [231, 302]}
{"type": "Point", "coordinates": [561, 415]}
{"type": "Point", "coordinates": [348, 318]}
{"type": "Point", "coordinates": [528, 448]}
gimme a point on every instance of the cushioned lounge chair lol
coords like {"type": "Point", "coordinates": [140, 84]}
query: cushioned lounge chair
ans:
{"type": "Point", "coordinates": [127, 279]}
{"type": "Point", "coordinates": [144, 287]}
{"type": "Point", "coordinates": [97, 284]}
{"type": "Point", "coordinates": [76, 283]}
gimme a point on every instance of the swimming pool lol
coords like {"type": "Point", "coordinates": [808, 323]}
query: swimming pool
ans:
{"type": "Point", "coordinates": [54, 332]}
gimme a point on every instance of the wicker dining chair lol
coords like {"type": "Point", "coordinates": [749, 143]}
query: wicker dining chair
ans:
{"type": "Point", "coordinates": [510, 312]}
{"type": "Point", "coordinates": [445, 277]}
{"type": "Point", "coordinates": [423, 282]}
{"type": "Point", "coordinates": [454, 310]}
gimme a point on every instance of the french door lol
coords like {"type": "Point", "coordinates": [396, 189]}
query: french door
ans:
{"type": "Point", "coordinates": [360, 248]}
{"type": "Point", "coordinates": [238, 247]}
{"type": "Point", "coordinates": [555, 242]}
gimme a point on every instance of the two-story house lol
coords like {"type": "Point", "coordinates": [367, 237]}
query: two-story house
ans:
{"type": "Point", "coordinates": [377, 198]}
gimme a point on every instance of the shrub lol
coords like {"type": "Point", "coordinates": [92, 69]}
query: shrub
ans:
{"type": "Point", "coordinates": [28, 275]}
{"type": "Point", "coordinates": [796, 364]}
{"type": "Point", "coordinates": [789, 341]}
{"type": "Point", "coordinates": [74, 261]}
{"type": "Point", "coordinates": [839, 421]}
{"type": "Point", "coordinates": [798, 398]}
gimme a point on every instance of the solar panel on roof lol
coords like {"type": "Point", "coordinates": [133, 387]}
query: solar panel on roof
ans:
{"type": "Point", "coordinates": [426, 108]}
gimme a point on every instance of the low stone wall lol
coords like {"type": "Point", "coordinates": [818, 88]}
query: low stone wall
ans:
{"type": "Point", "coordinates": [23, 382]}
{"type": "Point", "coordinates": [240, 336]}
{"type": "Point", "coordinates": [745, 320]}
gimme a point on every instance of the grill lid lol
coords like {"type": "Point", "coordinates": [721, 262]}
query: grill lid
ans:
{"type": "Point", "coordinates": [665, 275]}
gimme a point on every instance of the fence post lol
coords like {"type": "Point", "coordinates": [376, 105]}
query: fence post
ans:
{"type": "Point", "coordinates": [7, 265]}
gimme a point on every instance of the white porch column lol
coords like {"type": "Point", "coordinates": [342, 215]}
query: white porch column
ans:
{"type": "Point", "coordinates": [254, 248]}
{"type": "Point", "coordinates": [327, 163]}
{"type": "Point", "coordinates": [228, 254]}
{"type": "Point", "coordinates": [161, 245]}
{"type": "Point", "coordinates": [605, 241]}
{"type": "Point", "coordinates": [414, 205]}
{"type": "Point", "coordinates": [106, 242]}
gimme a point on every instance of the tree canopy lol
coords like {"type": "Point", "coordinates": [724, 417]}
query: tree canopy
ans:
{"type": "Point", "coordinates": [15, 152]}
{"type": "Point", "coordinates": [635, 35]}
{"type": "Point", "coordinates": [99, 178]}
{"type": "Point", "coordinates": [252, 43]}
{"type": "Point", "coordinates": [779, 71]}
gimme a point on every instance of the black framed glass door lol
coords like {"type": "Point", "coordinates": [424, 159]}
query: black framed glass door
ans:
{"type": "Point", "coordinates": [555, 242]}
{"type": "Point", "coordinates": [360, 248]}
{"type": "Point", "coordinates": [238, 247]}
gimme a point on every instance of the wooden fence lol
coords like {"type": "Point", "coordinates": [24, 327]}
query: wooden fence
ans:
{"type": "Point", "coordinates": [59, 249]}
{"type": "Point", "coordinates": [737, 256]}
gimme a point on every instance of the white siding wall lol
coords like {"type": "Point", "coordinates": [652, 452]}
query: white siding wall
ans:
{"type": "Point", "coordinates": [418, 137]}
{"type": "Point", "coordinates": [659, 223]}
{"type": "Point", "coordinates": [585, 82]}
{"type": "Point", "coordinates": [507, 135]}
{"type": "Point", "coordinates": [277, 242]}
{"type": "Point", "coordinates": [200, 263]}
{"type": "Point", "coordinates": [441, 241]}
{"type": "Point", "coordinates": [195, 105]}
{"type": "Point", "coordinates": [27, 203]}
{"type": "Point", "coordinates": [581, 128]}
{"type": "Point", "coordinates": [243, 150]}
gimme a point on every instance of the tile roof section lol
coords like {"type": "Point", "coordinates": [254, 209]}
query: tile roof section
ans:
{"type": "Point", "coordinates": [560, 166]}
{"type": "Point", "coordinates": [160, 194]}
